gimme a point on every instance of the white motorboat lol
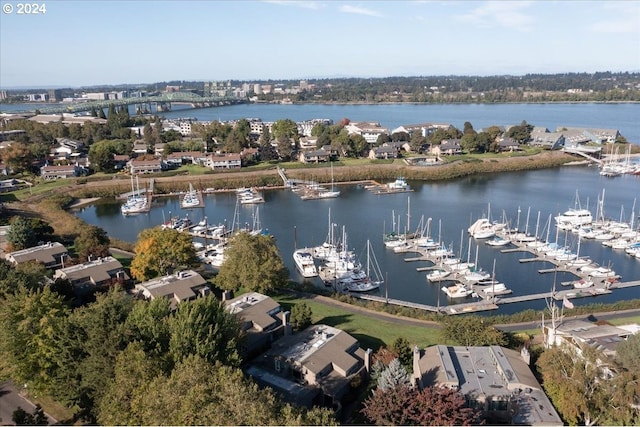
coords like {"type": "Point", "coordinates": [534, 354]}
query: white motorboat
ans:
{"type": "Point", "coordinates": [437, 274]}
{"type": "Point", "coordinates": [458, 290]}
{"type": "Point", "coordinates": [575, 217]}
{"type": "Point", "coordinates": [602, 272]}
{"type": "Point", "coordinates": [582, 283]}
{"type": "Point", "coordinates": [399, 184]}
{"type": "Point", "coordinates": [498, 241]}
{"type": "Point", "coordinates": [305, 263]}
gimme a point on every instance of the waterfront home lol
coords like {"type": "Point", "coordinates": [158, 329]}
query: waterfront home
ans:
{"type": "Point", "coordinates": [51, 255]}
{"type": "Point", "coordinates": [140, 148]}
{"type": "Point", "coordinates": [141, 166]}
{"type": "Point", "coordinates": [315, 156]}
{"type": "Point", "coordinates": [59, 172]}
{"type": "Point", "coordinates": [369, 131]}
{"type": "Point", "coordinates": [224, 161]}
{"type": "Point", "coordinates": [180, 158]}
{"type": "Point", "coordinates": [448, 147]}
{"type": "Point", "coordinates": [67, 119]}
{"type": "Point", "coordinates": [261, 318]}
{"type": "Point", "coordinates": [315, 366]}
{"type": "Point", "coordinates": [97, 273]}
{"type": "Point", "coordinates": [506, 144]}
{"type": "Point", "coordinates": [7, 185]}
{"type": "Point", "coordinates": [425, 129]}
{"type": "Point", "coordinates": [383, 152]}
{"type": "Point", "coordinates": [595, 135]}
{"type": "Point", "coordinates": [12, 135]}
{"type": "Point", "coordinates": [308, 142]}
{"type": "Point", "coordinates": [178, 287]}
{"type": "Point", "coordinates": [576, 334]}
{"type": "Point", "coordinates": [548, 140]}
{"type": "Point", "coordinates": [495, 379]}
{"type": "Point", "coordinates": [120, 161]}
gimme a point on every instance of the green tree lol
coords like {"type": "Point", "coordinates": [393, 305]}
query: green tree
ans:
{"type": "Point", "coordinates": [204, 327]}
{"type": "Point", "coordinates": [417, 141]}
{"type": "Point", "coordinates": [160, 251]}
{"type": "Point", "coordinates": [285, 129]}
{"type": "Point", "coordinates": [30, 323]}
{"type": "Point", "coordinates": [252, 262]}
{"type": "Point", "coordinates": [18, 157]}
{"type": "Point", "coordinates": [471, 331]}
{"type": "Point", "coordinates": [27, 232]}
{"type": "Point", "coordinates": [301, 316]}
{"type": "Point", "coordinates": [284, 147]}
{"type": "Point", "coordinates": [148, 324]}
{"type": "Point", "coordinates": [402, 349]}
{"type": "Point", "coordinates": [359, 145]}
{"type": "Point", "coordinates": [91, 241]}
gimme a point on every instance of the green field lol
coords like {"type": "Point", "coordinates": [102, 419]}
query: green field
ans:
{"type": "Point", "coordinates": [370, 332]}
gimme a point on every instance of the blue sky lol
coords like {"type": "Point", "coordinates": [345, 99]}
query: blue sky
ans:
{"type": "Point", "coordinates": [88, 42]}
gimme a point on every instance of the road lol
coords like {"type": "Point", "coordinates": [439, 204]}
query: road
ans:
{"type": "Point", "coordinates": [513, 327]}
{"type": "Point", "coordinates": [10, 400]}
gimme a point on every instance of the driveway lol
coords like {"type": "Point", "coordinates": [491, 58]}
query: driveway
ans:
{"type": "Point", "coordinates": [10, 400]}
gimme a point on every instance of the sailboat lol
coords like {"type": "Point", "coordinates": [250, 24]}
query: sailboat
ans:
{"type": "Point", "coordinates": [329, 194]}
{"type": "Point", "coordinates": [371, 281]}
{"type": "Point", "coordinates": [136, 202]}
{"type": "Point", "coordinates": [190, 199]}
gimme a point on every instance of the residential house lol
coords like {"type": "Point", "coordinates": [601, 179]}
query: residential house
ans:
{"type": "Point", "coordinates": [179, 158]}
{"type": "Point", "coordinates": [312, 367]}
{"type": "Point", "coordinates": [577, 333]}
{"type": "Point", "coordinates": [369, 131]}
{"type": "Point", "coordinates": [51, 255]}
{"type": "Point", "coordinates": [59, 172]}
{"type": "Point", "coordinates": [425, 129]}
{"type": "Point", "coordinates": [383, 152]}
{"type": "Point", "coordinates": [595, 135]}
{"type": "Point", "coordinates": [495, 379]}
{"type": "Point", "coordinates": [447, 147]}
{"type": "Point", "coordinates": [305, 127]}
{"type": "Point", "coordinates": [158, 149]}
{"type": "Point", "coordinates": [178, 287]}
{"type": "Point", "coordinates": [261, 319]}
{"type": "Point", "coordinates": [308, 142]}
{"type": "Point", "coordinates": [548, 140]}
{"type": "Point", "coordinates": [146, 166]}
{"type": "Point", "coordinates": [315, 156]}
{"type": "Point", "coordinates": [11, 135]}
{"type": "Point", "coordinates": [224, 161]}
{"type": "Point", "coordinates": [506, 144]}
{"type": "Point", "coordinates": [120, 161]}
{"type": "Point", "coordinates": [249, 155]}
{"type": "Point", "coordinates": [140, 148]}
{"type": "Point", "coordinates": [7, 185]}
{"type": "Point", "coordinates": [93, 274]}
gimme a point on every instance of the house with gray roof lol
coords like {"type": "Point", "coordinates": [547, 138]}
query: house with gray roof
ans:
{"type": "Point", "coordinates": [548, 140]}
{"type": "Point", "coordinates": [508, 144]}
{"type": "Point", "coordinates": [93, 274]}
{"type": "Point", "coordinates": [594, 135]}
{"type": "Point", "coordinates": [312, 367]}
{"type": "Point", "coordinates": [140, 166]}
{"type": "Point", "coordinates": [383, 152]}
{"type": "Point", "coordinates": [178, 287]}
{"type": "Point", "coordinates": [495, 379]}
{"type": "Point", "coordinates": [51, 255]}
{"type": "Point", "coordinates": [262, 321]}
{"type": "Point", "coordinates": [448, 147]}
{"type": "Point", "coordinates": [315, 156]}
{"type": "Point", "coordinates": [59, 172]}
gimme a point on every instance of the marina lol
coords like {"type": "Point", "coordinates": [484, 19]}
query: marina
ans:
{"type": "Point", "coordinates": [406, 265]}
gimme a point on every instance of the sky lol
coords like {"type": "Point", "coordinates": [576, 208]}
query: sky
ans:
{"type": "Point", "coordinates": [78, 43]}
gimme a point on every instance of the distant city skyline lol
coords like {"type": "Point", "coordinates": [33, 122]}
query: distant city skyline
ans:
{"type": "Point", "coordinates": [89, 43]}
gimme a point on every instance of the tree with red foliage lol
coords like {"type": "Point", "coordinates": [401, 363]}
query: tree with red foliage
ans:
{"type": "Point", "coordinates": [432, 406]}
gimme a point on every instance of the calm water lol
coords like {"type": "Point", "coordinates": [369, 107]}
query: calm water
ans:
{"type": "Point", "coordinates": [623, 116]}
{"type": "Point", "coordinates": [451, 205]}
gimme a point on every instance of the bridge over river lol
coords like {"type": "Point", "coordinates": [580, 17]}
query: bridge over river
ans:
{"type": "Point", "coordinates": [162, 102]}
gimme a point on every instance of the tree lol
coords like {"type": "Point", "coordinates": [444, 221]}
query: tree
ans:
{"type": "Point", "coordinates": [358, 144]}
{"type": "Point", "coordinates": [204, 327]}
{"type": "Point", "coordinates": [394, 375]}
{"type": "Point", "coordinates": [27, 232]}
{"type": "Point", "coordinates": [22, 417]}
{"type": "Point", "coordinates": [160, 251]}
{"type": "Point", "coordinates": [267, 152]}
{"type": "Point", "coordinates": [433, 406]}
{"type": "Point", "coordinates": [285, 149]}
{"type": "Point", "coordinates": [301, 316]}
{"type": "Point", "coordinates": [285, 129]}
{"type": "Point", "coordinates": [627, 352]}
{"type": "Point", "coordinates": [30, 323]}
{"type": "Point", "coordinates": [471, 331]}
{"type": "Point", "coordinates": [402, 349]}
{"type": "Point", "coordinates": [252, 262]}
{"type": "Point", "coordinates": [18, 157]}
{"type": "Point", "coordinates": [92, 241]}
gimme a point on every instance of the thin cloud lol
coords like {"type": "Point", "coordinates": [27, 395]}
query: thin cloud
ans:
{"type": "Point", "coordinates": [626, 19]}
{"type": "Point", "coordinates": [500, 13]}
{"type": "Point", "coordinates": [359, 10]}
{"type": "Point", "coordinates": [314, 5]}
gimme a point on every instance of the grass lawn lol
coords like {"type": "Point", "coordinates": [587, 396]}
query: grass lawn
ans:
{"type": "Point", "coordinates": [370, 332]}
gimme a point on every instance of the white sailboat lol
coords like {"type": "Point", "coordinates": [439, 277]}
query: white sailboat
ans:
{"type": "Point", "coordinates": [329, 194]}
{"type": "Point", "coordinates": [190, 199]}
{"type": "Point", "coordinates": [136, 202]}
{"type": "Point", "coordinates": [371, 281]}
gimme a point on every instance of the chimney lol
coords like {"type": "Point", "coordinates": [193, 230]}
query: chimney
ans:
{"type": "Point", "coordinates": [367, 360]}
{"type": "Point", "coordinates": [285, 323]}
{"type": "Point", "coordinates": [416, 365]}
{"type": "Point", "coordinates": [227, 295]}
{"type": "Point", "coordinates": [526, 356]}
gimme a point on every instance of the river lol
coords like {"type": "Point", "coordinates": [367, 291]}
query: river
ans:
{"type": "Point", "coordinates": [451, 205]}
{"type": "Point", "coordinates": [620, 116]}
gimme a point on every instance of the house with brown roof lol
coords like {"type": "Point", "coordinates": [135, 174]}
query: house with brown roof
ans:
{"type": "Point", "coordinates": [93, 274]}
{"type": "Point", "coordinates": [312, 367]}
{"type": "Point", "coordinates": [137, 166]}
{"type": "Point", "coordinates": [59, 172]}
{"type": "Point", "coordinates": [262, 321]}
{"type": "Point", "coordinates": [447, 146]}
{"type": "Point", "coordinates": [51, 255]}
{"type": "Point", "coordinates": [314, 156]}
{"type": "Point", "coordinates": [178, 287]}
{"type": "Point", "coordinates": [495, 379]}
{"type": "Point", "coordinates": [224, 161]}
